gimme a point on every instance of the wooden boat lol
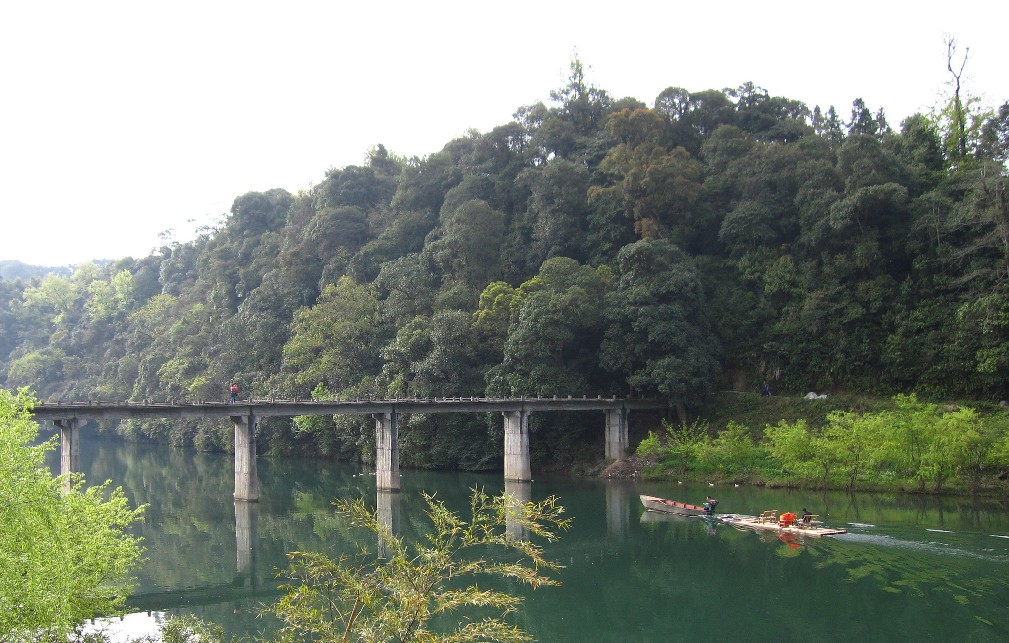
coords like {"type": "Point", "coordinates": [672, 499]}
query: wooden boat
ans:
{"type": "Point", "coordinates": [653, 503]}
{"type": "Point", "coordinates": [766, 522]}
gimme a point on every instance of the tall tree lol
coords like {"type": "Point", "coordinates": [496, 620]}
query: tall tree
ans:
{"type": "Point", "coordinates": [584, 105]}
{"type": "Point", "coordinates": [559, 206]}
{"type": "Point", "coordinates": [335, 341]}
{"type": "Point", "coordinates": [657, 187]}
{"type": "Point", "coordinates": [554, 330]}
{"type": "Point", "coordinates": [659, 336]}
{"type": "Point", "coordinates": [466, 246]}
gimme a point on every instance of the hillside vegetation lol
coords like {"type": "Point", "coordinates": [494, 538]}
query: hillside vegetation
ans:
{"type": "Point", "coordinates": [712, 241]}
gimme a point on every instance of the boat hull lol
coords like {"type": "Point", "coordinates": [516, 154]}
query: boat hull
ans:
{"type": "Point", "coordinates": [653, 503]}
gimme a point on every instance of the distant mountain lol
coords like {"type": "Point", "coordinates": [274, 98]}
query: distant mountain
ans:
{"type": "Point", "coordinates": [11, 270]}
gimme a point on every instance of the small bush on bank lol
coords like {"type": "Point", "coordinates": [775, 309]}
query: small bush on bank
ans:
{"type": "Point", "coordinates": [902, 444]}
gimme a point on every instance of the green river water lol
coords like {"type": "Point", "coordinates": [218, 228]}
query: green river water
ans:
{"type": "Point", "coordinates": [909, 568]}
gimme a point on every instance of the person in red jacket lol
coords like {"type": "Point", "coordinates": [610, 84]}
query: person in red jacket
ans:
{"type": "Point", "coordinates": [234, 392]}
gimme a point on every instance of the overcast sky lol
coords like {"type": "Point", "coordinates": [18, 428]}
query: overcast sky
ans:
{"type": "Point", "coordinates": [122, 120]}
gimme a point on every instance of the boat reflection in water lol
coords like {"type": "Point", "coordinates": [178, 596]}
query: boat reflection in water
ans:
{"type": "Point", "coordinates": [709, 521]}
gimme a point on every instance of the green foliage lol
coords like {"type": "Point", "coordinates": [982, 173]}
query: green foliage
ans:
{"type": "Point", "coordinates": [559, 205]}
{"type": "Point", "coordinates": [334, 341]}
{"type": "Point", "coordinates": [36, 367]}
{"type": "Point", "coordinates": [414, 592]}
{"type": "Point", "coordinates": [854, 439]}
{"type": "Point", "coordinates": [657, 187]}
{"type": "Point", "coordinates": [915, 442]}
{"type": "Point", "coordinates": [190, 629]}
{"type": "Point", "coordinates": [658, 333]}
{"type": "Point", "coordinates": [734, 454]}
{"type": "Point", "coordinates": [467, 246]}
{"type": "Point", "coordinates": [802, 454]}
{"type": "Point", "coordinates": [433, 355]}
{"type": "Point", "coordinates": [66, 555]}
{"type": "Point", "coordinates": [53, 299]}
{"type": "Point", "coordinates": [589, 247]}
{"type": "Point", "coordinates": [554, 329]}
{"type": "Point", "coordinates": [583, 105]}
{"type": "Point", "coordinates": [651, 446]}
{"type": "Point", "coordinates": [679, 447]}
{"type": "Point", "coordinates": [689, 452]}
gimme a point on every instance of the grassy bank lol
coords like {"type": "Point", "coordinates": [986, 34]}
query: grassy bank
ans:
{"type": "Point", "coordinates": [839, 442]}
{"type": "Point", "coordinates": [756, 411]}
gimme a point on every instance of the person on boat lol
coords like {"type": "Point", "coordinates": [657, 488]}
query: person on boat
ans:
{"type": "Point", "coordinates": [807, 517]}
{"type": "Point", "coordinates": [234, 392]}
{"type": "Point", "coordinates": [786, 519]}
{"type": "Point", "coordinates": [710, 504]}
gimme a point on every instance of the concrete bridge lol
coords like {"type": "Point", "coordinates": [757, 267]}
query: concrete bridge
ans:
{"type": "Point", "coordinates": [245, 415]}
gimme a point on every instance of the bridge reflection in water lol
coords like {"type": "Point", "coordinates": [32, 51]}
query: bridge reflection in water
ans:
{"type": "Point", "coordinates": [257, 579]}
{"type": "Point", "coordinates": [387, 510]}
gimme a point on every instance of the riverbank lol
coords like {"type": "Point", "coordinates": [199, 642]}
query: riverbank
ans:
{"type": "Point", "coordinates": [841, 442]}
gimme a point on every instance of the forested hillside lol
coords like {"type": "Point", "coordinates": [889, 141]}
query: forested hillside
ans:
{"type": "Point", "coordinates": [593, 245]}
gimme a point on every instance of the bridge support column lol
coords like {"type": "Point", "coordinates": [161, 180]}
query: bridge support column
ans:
{"type": "Point", "coordinates": [387, 451]}
{"type": "Point", "coordinates": [516, 445]}
{"type": "Point", "coordinates": [70, 448]}
{"type": "Point", "coordinates": [617, 441]}
{"type": "Point", "coordinates": [246, 476]}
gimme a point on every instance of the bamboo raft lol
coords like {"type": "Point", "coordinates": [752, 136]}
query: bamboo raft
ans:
{"type": "Point", "coordinates": [768, 521]}
{"type": "Point", "coordinates": [786, 524]}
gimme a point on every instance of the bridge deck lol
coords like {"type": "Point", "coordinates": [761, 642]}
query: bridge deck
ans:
{"type": "Point", "coordinates": [94, 410]}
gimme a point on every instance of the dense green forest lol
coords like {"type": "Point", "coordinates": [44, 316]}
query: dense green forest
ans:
{"type": "Point", "coordinates": [593, 245]}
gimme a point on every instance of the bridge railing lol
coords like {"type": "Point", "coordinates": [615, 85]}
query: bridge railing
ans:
{"type": "Point", "coordinates": [92, 409]}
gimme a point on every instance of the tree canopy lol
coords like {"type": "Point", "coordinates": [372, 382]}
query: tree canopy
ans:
{"type": "Point", "coordinates": [591, 246]}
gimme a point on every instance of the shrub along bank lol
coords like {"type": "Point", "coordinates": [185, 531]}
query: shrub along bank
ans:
{"type": "Point", "coordinates": [837, 443]}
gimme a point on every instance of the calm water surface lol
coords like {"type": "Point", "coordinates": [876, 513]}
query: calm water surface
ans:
{"type": "Point", "coordinates": [909, 569]}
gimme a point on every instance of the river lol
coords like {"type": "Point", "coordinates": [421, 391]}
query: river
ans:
{"type": "Point", "coordinates": [909, 568]}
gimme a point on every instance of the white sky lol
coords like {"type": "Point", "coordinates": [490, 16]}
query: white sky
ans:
{"type": "Point", "coordinates": [120, 120]}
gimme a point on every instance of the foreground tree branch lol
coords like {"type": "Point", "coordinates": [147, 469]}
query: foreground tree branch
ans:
{"type": "Point", "coordinates": [369, 599]}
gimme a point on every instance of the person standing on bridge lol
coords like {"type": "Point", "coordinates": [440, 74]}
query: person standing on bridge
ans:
{"type": "Point", "coordinates": [234, 392]}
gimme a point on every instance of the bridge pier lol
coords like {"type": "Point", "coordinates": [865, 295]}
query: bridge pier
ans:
{"type": "Point", "coordinates": [70, 448]}
{"type": "Point", "coordinates": [387, 451]}
{"type": "Point", "coordinates": [617, 442]}
{"type": "Point", "coordinates": [245, 417]}
{"type": "Point", "coordinates": [516, 445]}
{"type": "Point", "coordinates": [246, 476]}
